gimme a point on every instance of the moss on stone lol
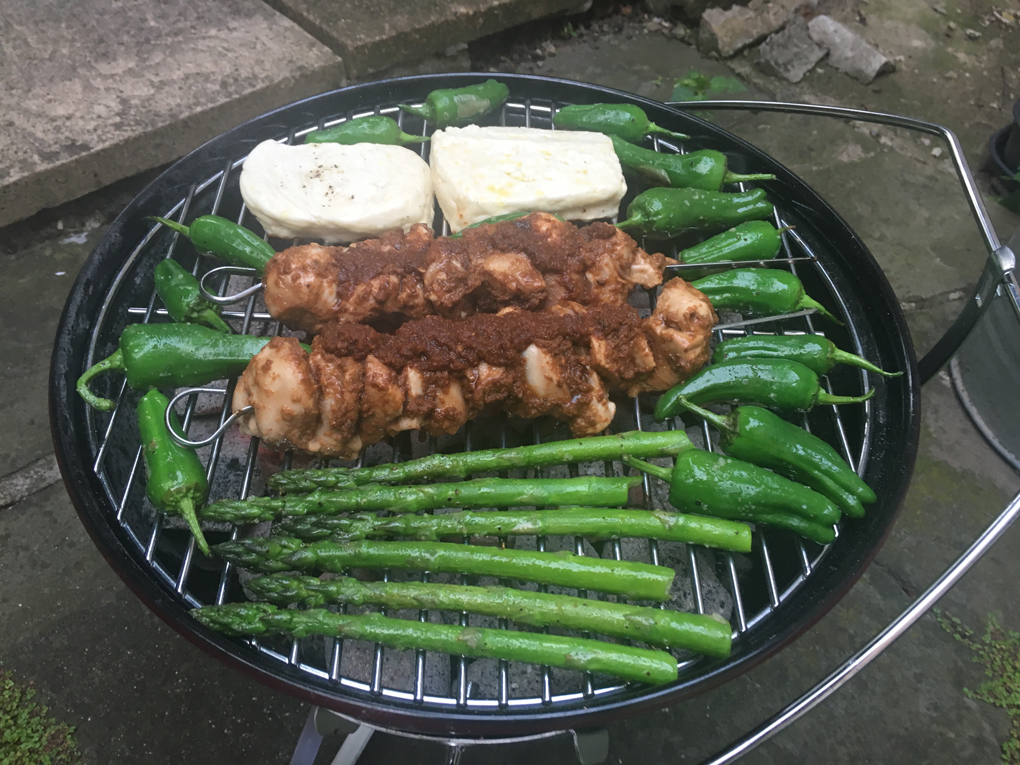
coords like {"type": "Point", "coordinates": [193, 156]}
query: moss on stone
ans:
{"type": "Point", "coordinates": [999, 651]}
{"type": "Point", "coordinates": [28, 735]}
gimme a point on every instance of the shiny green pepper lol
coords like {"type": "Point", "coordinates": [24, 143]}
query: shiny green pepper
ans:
{"type": "Point", "coordinates": [667, 212]}
{"type": "Point", "coordinates": [627, 121]}
{"type": "Point", "coordinates": [176, 481]}
{"type": "Point", "coordinates": [705, 169]}
{"type": "Point", "coordinates": [776, 383]}
{"type": "Point", "coordinates": [817, 353]}
{"type": "Point", "coordinates": [225, 239]}
{"type": "Point", "coordinates": [762, 438]}
{"type": "Point", "coordinates": [758, 292]}
{"type": "Point", "coordinates": [376, 128]}
{"type": "Point", "coordinates": [703, 483]}
{"type": "Point", "coordinates": [172, 356]}
{"type": "Point", "coordinates": [459, 106]}
{"type": "Point", "coordinates": [754, 240]}
{"type": "Point", "coordinates": [181, 294]}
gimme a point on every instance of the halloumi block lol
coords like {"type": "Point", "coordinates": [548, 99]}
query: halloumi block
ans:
{"type": "Point", "coordinates": [339, 194]}
{"type": "Point", "coordinates": [479, 172]}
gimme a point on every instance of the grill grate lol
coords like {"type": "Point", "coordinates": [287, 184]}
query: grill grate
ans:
{"type": "Point", "coordinates": [756, 583]}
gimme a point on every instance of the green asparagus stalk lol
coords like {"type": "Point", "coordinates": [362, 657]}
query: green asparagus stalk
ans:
{"type": "Point", "coordinates": [669, 629]}
{"type": "Point", "coordinates": [485, 492]}
{"type": "Point", "coordinates": [637, 664]}
{"type": "Point", "coordinates": [591, 523]}
{"type": "Point", "coordinates": [636, 443]}
{"type": "Point", "coordinates": [271, 555]}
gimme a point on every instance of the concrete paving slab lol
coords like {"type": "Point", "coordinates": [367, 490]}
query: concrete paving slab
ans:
{"type": "Point", "coordinates": [102, 662]}
{"type": "Point", "coordinates": [99, 90]}
{"type": "Point", "coordinates": [372, 35]}
{"type": "Point", "coordinates": [86, 643]}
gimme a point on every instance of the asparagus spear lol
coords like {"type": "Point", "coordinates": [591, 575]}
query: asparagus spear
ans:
{"type": "Point", "coordinates": [485, 492]}
{"type": "Point", "coordinates": [638, 664]}
{"type": "Point", "coordinates": [669, 629]}
{"type": "Point", "coordinates": [636, 443]}
{"type": "Point", "coordinates": [591, 523]}
{"type": "Point", "coordinates": [270, 555]}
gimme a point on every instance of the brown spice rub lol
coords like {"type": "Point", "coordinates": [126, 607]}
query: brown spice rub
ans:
{"type": "Point", "coordinates": [534, 262]}
{"type": "Point", "coordinates": [434, 344]}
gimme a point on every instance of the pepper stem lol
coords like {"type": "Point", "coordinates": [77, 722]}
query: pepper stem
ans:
{"type": "Point", "coordinates": [210, 318]}
{"type": "Point", "coordinates": [842, 357]}
{"type": "Point", "coordinates": [828, 398]}
{"type": "Point", "coordinates": [722, 422]}
{"type": "Point", "coordinates": [113, 361]}
{"type": "Point", "coordinates": [403, 138]}
{"type": "Point", "coordinates": [424, 111]}
{"type": "Point", "coordinates": [653, 128]}
{"type": "Point", "coordinates": [180, 228]}
{"type": "Point", "coordinates": [637, 219]}
{"type": "Point", "coordinates": [808, 302]}
{"type": "Point", "coordinates": [739, 178]}
{"type": "Point", "coordinates": [647, 467]}
{"type": "Point", "coordinates": [186, 507]}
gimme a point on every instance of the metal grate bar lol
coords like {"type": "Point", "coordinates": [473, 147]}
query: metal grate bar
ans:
{"type": "Point", "coordinates": [770, 577]}
{"type": "Point", "coordinates": [504, 680]}
{"type": "Point", "coordinates": [128, 484]}
{"type": "Point", "coordinates": [738, 602]}
{"type": "Point", "coordinates": [540, 544]}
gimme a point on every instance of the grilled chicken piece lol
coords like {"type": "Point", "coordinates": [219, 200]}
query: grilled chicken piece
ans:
{"type": "Point", "coordinates": [532, 262]}
{"type": "Point", "coordinates": [310, 285]}
{"type": "Point", "coordinates": [358, 385]}
{"type": "Point", "coordinates": [678, 332]}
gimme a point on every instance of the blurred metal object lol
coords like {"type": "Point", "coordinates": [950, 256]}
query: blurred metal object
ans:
{"type": "Point", "coordinates": [986, 369]}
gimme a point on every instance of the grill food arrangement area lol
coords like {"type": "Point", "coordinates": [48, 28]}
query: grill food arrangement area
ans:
{"type": "Point", "coordinates": [615, 415]}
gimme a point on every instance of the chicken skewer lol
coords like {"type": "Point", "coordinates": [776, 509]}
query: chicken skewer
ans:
{"type": "Point", "coordinates": [533, 262]}
{"type": "Point", "coordinates": [358, 386]}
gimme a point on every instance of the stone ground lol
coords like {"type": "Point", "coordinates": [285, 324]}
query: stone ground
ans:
{"type": "Point", "coordinates": [139, 693]}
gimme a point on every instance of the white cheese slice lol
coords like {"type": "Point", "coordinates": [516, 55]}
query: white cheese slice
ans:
{"type": "Point", "coordinates": [335, 193]}
{"type": "Point", "coordinates": [479, 172]}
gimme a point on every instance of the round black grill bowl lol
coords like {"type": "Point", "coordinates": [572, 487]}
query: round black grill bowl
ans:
{"type": "Point", "coordinates": [882, 435]}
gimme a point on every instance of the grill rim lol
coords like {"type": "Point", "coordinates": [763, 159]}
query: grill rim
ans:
{"type": "Point", "coordinates": [827, 584]}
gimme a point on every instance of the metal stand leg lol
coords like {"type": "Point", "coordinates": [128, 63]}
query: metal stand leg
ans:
{"type": "Point", "coordinates": [883, 640]}
{"type": "Point", "coordinates": [308, 744]}
{"type": "Point", "coordinates": [353, 746]}
{"type": "Point", "coordinates": [591, 746]}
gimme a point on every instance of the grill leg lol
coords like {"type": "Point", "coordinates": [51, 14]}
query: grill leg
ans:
{"type": "Point", "coordinates": [591, 746]}
{"type": "Point", "coordinates": [308, 744]}
{"type": "Point", "coordinates": [353, 746]}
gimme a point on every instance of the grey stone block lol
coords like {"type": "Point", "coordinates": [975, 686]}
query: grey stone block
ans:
{"type": "Point", "coordinates": [372, 35]}
{"type": "Point", "coordinates": [790, 53]}
{"type": "Point", "coordinates": [97, 90]}
{"type": "Point", "coordinates": [849, 52]}
{"type": "Point", "coordinates": [729, 32]}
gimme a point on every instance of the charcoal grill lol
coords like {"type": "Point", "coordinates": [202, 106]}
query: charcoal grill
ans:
{"type": "Point", "coordinates": [777, 592]}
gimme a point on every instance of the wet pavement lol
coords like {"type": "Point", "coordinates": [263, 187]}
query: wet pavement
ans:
{"type": "Point", "coordinates": [137, 692]}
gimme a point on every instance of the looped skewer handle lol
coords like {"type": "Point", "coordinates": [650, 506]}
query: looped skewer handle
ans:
{"type": "Point", "coordinates": [181, 440]}
{"type": "Point", "coordinates": [212, 297]}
